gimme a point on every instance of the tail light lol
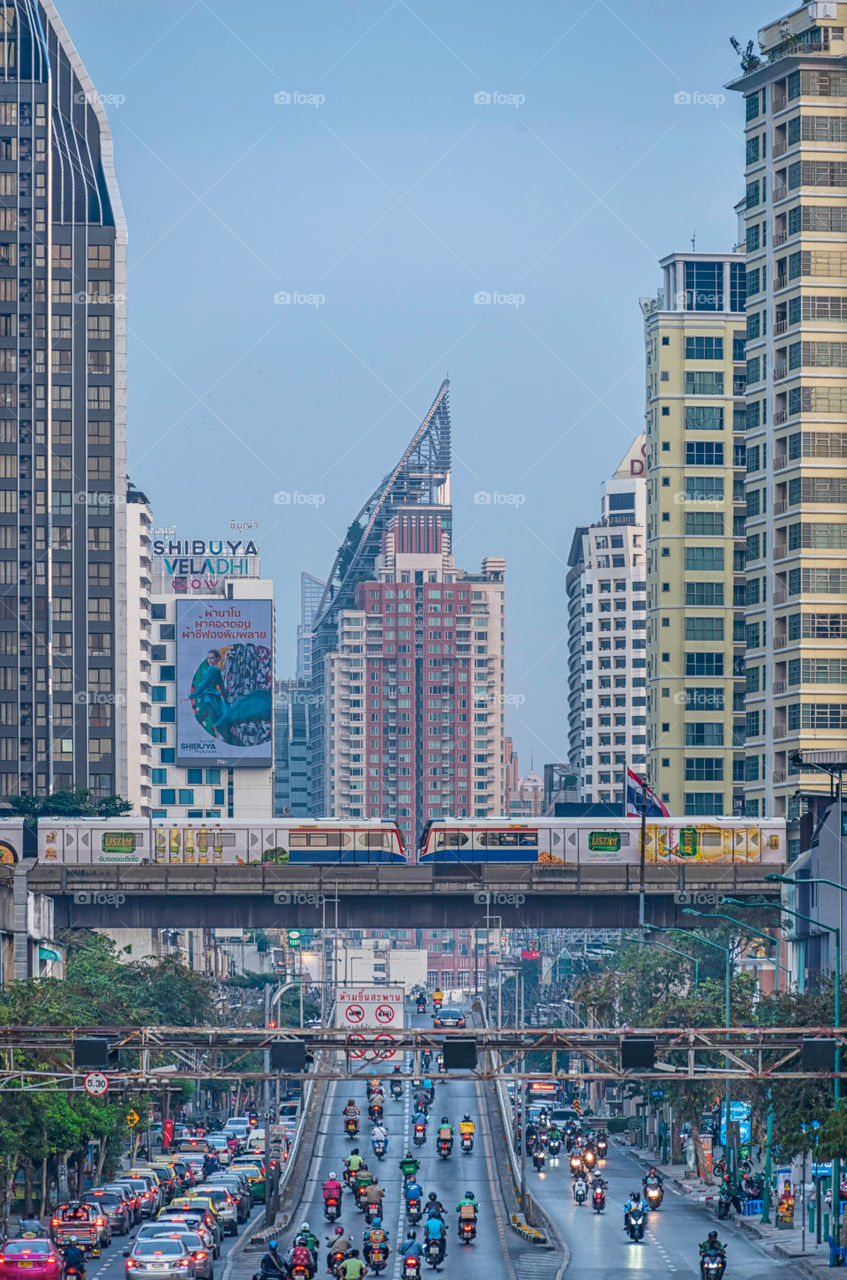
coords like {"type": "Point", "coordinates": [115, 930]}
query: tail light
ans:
{"type": "Point", "coordinates": [54, 1222]}
{"type": "Point", "coordinates": [100, 1222]}
{"type": "Point", "coordinates": [185, 1262]}
{"type": "Point", "coordinates": [130, 1262]}
{"type": "Point", "coordinates": [199, 1255]}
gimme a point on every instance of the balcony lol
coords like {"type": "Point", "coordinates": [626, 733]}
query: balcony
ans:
{"type": "Point", "coordinates": [780, 508]}
{"type": "Point", "coordinates": [780, 642]}
{"type": "Point", "coordinates": [780, 416]}
{"type": "Point", "coordinates": [778, 775]}
{"type": "Point", "coordinates": [779, 101]}
{"type": "Point", "coordinates": [780, 191]}
{"type": "Point", "coordinates": [778, 686]}
{"type": "Point", "coordinates": [779, 149]}
{"type": "Point", "coordinates": [780, 326]}
{"type": "Point", "coordinates": [780, 370]}
{"type": "Point", "coordinates": [780, 282]}
{"type": "Point", "coordinates": [780, 595]}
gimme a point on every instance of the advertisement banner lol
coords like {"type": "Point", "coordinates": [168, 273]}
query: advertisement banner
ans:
{"type": "Point", "coordinates": [224, 682]}
{"type": "Point", "coordinates": [11, 840]}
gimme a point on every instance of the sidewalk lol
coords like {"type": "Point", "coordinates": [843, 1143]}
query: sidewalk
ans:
{"type": "Point", "coordinates": [781, 1243]}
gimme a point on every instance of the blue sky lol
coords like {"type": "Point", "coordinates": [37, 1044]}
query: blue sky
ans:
{"type": "Point", "coordinates": [418, 155]}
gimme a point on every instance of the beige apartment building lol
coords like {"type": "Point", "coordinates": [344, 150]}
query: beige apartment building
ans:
{"type": "Point", "coordinates": [694, 337]}
{"type": "Point", "coordinates": [795, 95]}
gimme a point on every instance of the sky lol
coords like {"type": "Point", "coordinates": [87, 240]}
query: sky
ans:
{"type": "Point", "coordinates": [333, 205]}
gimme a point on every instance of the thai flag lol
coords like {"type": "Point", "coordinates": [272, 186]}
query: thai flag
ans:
{"type": "Point", "coordinates": [635, 789]}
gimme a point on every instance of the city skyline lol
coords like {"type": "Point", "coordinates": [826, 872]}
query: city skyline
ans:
{"type": "Point", "coordinates": [526, 377]}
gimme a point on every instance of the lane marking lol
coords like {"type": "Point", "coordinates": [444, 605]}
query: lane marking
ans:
{"type": "Point", "coordinates": [482, 1112]}
{"type": "Point", "coordinates": [401, 1215]}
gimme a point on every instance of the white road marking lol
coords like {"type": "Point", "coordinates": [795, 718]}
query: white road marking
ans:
{"type": "Point", "coordinates": [401, 1229]}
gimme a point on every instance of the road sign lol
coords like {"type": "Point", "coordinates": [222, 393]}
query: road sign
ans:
{"type": "Point", "coordinates": [132, 1119]}
{"type": "Point", "coordinates": [96, 1084]}
{"type": "Point", "coordinates": [355, 1046]}
{"type": "Point", "coordinates": [359, 1008]}
{"type": "Point", "coordinates": [386, 1049]}
{"type": "Point", "coordinates": [355, 1013]}
{"type": "Point", "coordinates": [577, 1106]}
{"type": "Point", "coordinates": [383, 1014]}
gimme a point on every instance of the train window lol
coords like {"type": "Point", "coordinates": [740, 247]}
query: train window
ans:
{"type": "Point", "coordinates": [528, 839]}
{"type": "Point", "coordinates": [375, 839]}
{"type": "Point", "coordinates": [450, 839]}
{"type": "Point", "coordinates": [508, 839]}
{"type": "Point", "coordinates": [318, 839]}
{"type": "Point", "coordinates": [710, 838]}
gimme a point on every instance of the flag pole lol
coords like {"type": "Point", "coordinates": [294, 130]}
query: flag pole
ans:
{"type": "Point", "coordinates": [643, 851]}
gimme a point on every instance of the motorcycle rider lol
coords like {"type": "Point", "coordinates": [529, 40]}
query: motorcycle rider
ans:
{"type": "Point", "coordinates": [580, 1186]}
{"type": "Point", "coordinates": [436, 1230]}
{"type": "Point", "coordinates": [373, 1195]}
{"type": "Point", "coordinates": [301, 1256]}
{"type": "Point", "coordinates": [352, 1268]}
{"type": "Point", "coordinates": [414, 1190]}
{"type": "Point", "coordinates": [652, 1179]}
{"type": "Point", "coordinates": [634, 1202]}
{"type": "Point", "coordinates": [410, 1248]}
{"type": "Point", "coordinates": [445, 1130]}
{"type": "Point", "coordinates": [409, 1165]}
{"type": "Point", "coordinates": [351, 1112]}
{"type": "Point", "coordinates": [309, 1239]}
{"type": "Point", "coordinates": [332, 1189]}
{"type": "Point", "coordinates": [379, 1134]}
{"type": "Point", "coordinates": [713, 1245]}
{"type": "Point", "coordinates": [272, 1265]}
{"type": "Point", "coordinates": [468, 1199]}
{"type": "Point", "coordinates": [466, 1127]}
{"type": "Point", "coordinates": [375, 1234]}
{"type": "Point", "coordinates": [74, 1257]}
{"type": "Point", "coordinates": [355, 1161]}
{"type": "Point", "coordinates": [339, 1242]}
{"type": "Point", "coordinates": [434, 1207]}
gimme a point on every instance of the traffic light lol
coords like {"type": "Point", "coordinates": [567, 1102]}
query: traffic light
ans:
{"type": "Point", "coordinates": [272, 1025]}
{"type": "Point", "coordinates": [294, 939]}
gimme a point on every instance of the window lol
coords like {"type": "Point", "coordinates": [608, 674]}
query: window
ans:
{"type": "Point", "coordinates": [704, 453]}
{"type": "Point", "coordinates": [703, 383]}
{"type": "Point", "coordinates": [704, 664]}
{"type": "Point", "coordinates": [704, 523]}
{"type": "Point", "coordinates": [699, 803]}
{"type": "Point", "coordinates": [697, 628]}
{"type": "Point", "coordinates": [709, 733]}
{"type": "Point", "coordinates": [167, 796]}
{"type": "Point", "coordinates": [704, 594]}
{"type": "Point", "coordinates": [704, 286]}
{"type": "Point", "coordinates": [704, 488]}
{"type": "Point", "coordinates": [703, 417]}
{"type": "Point", "coordinates": [704, 558]}
{"type": "Point", "coordinates": [704, 348]}
{"type": "Point", "coordinates": [704, 769]}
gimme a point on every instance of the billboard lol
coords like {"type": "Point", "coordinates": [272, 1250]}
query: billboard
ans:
{"type": "Point", "coordinates": [224, 673]}
{"type": "Point", "coordinates": [371, 1008]}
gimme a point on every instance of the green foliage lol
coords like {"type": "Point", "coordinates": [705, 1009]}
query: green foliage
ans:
{"type": "Point", "coordinates": [74, 803]}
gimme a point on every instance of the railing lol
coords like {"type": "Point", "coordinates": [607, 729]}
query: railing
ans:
{"type": "Point", "coordinates": [780, 371]}
{"type": "Point", "coordinates": [780, 642]}
{"type": "Point", "coordinates": [779, 149]}
{"type": "Point", "coordinates": [780, 460]}
{"type": "Point", "coordinates": [780, 282]}
{"type": "Point", "coordinates": [780, 416]}
{"type": "Point", "coordinates": [780, 508]}
{"type": "Point", "coordinates": [778, 686]}
{"type": "Point", "coordinates": [780, 326]}
{"type": "Point", "coordinates": [779, 102]}
{"type": "Point", "coordinates": [780, 595]}
{"type": "Point", "coordinates": [780, 191]}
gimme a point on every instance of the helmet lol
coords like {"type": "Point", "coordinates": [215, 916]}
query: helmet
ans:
{"type": "Point", "coordinates": [273, 1244]}
{"type": "Point", "coordinates": [355, 1151]}
{"type": "Point", "coordinates": [377, 1222]}
{"type": "Point", "coordinates": [413, 1235]}
{"type": "Point", "coordinates": [332, 1178]}
{"type": "Point", "coordinates": [444, 1120]}
{"type": "Point", "coordinates": [712, 1233]}
{"type": "Point", "coordinates": [339, 1231]}
{"type": "Point", "coordinates": [469, 1195]}
{"type": "Point", "coordinates": [466, 1117]}
{"type": "Point", "coordinates": [305, 1228]}
{"type": "Point", "coordinates": [408, 1156]}
{"type": "Point", "coordinates": [432, 1196]}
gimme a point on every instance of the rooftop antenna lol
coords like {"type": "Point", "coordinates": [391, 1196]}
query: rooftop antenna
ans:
{"type": "Point", "coordinates": [694, 240]}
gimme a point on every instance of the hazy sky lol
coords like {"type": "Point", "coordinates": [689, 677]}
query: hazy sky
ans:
{"type": "Point", "coordinates": [417, 155]}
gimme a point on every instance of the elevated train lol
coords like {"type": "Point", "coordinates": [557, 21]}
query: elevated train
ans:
{"type": "Point", "coordinates": [546, 841]}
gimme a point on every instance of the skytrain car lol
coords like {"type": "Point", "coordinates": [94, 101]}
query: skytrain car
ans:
{"type": "Point", "coordinates": [134, 842]}
{"type": "Point", "coordinates": [575, 841]}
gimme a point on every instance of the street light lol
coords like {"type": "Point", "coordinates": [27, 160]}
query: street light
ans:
{"type": "Point", "coordinates": [836, 1084]}
{"type": "Point", "coordinates": [766, 1198]}
{"type": "Point", "coordinates": [689, 911]}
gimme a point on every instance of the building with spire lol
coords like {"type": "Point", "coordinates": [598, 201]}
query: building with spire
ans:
{"type": "Point", "coordinates": [63, 610]}
{"type": "Point", "coordinates": [408, 657]}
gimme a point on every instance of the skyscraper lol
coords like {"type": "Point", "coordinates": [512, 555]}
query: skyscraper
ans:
{"type": "Point", "coordinates": [311, 593]}
{"type": "Point", "coordinates": [607, 620]}
{"type": "Point", "coordinates": [62, 418]}
{"type": "Point", "coordinates": [407, 657]}
{"type": "Point", "coordinates": [795, 98]}
{"type": "Point", "coordinates": [694, 337]}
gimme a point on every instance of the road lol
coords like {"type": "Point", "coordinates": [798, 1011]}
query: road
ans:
{"type": "Point", "coordinates": [496, 1251]}
{"type": "Point", "coordinates": [601, 1251]}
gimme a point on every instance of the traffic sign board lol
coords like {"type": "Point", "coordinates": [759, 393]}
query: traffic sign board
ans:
{"type": "Point", "coordinates": [96, 1084]}
{"type": "Point", "coordinates": [355, 1013]}
{"type": "Point", "coordinates": [383, 1053]}
{"type": "Point", "coordinates": [383, 1014]}
{"type": "Point", "coordinates": [132, 1119]}
{"type": "Point", "coordinates": [358, 1051]}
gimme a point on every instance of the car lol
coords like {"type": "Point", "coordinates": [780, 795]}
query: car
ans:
{"type": "Point", "coordinates": [186, 1220]}
{"type": "Point", "coordinates": [34, 1258]}
{"type": "Point", "coordinates": [255, 1175]}
{"type": "Point", "coordinates": [448, 1016]}
{"type": "Point", "coordinates": [220, 1148]}
{"type": "Point", "coordinates": [205, 1212]}
{"type": "Point", "coordinates": [144, 1184]}
{"type": "Point", "coordinates": [112, 1204]}
{"type": "Point", "coordinates": [224, 1205]}
{"type": "Point", "coordinates": [101, 1221]}
{"type": "Point", "coordinates": [288, 1112]}
{"type": "Point", "coordinates": [192, 1144]}
{"type": "Point", "coordinates": [131, 1195]}
{"type": "Point", "coordinates": [166, 1257]}
{"type": "Point", "coordinates": [239, 1190]}
{"type": "Point", "coordinates": [199, 1248]}
{"type": "Point", "coordinates": [206, 1201]}
{"type": "Point", "coordinates": [167, 1178]}
{"type": "Point", "coordinates": [565, 1115]}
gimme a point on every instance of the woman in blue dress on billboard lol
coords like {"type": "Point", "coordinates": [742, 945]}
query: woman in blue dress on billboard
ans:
{"type": "Point", "coordinates": [244, 718]}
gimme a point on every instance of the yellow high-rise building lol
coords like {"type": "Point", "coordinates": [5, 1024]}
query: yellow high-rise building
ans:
{"type": "Point", "coordinates": [694, 335]}
{"type": "Point", "coordinates": [795, 96]}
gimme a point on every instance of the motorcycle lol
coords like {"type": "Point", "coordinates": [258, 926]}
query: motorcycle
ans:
{"type": "Point", "coordinates": [419, 1136]}
{"type": "Point", "coordinates": [376, 1113]}
{"type": "Point", "coordinates": [351, 1126]}
{"type": "Point", "coordinates": [349, 1175]}
{"type": "Point", "coordinates": [554, 1146]}
{"type": "Point", "coordinates": [467, 1143]}
{"type": "Point", "coordinates": [467, 1230]}
{"type": "Point", "coordinates": [299, 1272]}
{"type": "Point", "coordinates": [598, 1200]}
{"type": "Point", "coordinates": [580, 1191]}
{"type": "Point", "coordinates": [654, 1196]}
{"type": "Point", "coordinates": [576, 1162]}
{"type": "Point", "coordinates": [380, 1146]}
{"type": "Point", "coordinates": [360, 1197]}
{"type": "Point", "coordinates": [445, 1146]}
{"type": "Point", "coordinates": [332, 1208]}
{"type": "Point", "coordinates": [538, 1160]}
{"type": "Point", "coordinates": [371, 1211]}
{"type": "Point", "coordinates": [422, 1006]}
{"type": "Point", "coordinates": [413, 1211]}
{"type": "Point", "coordinates": [426, 1059]}
{"type": "Point", "coordinates": [712, 1265]}
{"type": "Point", "coordinates": [588, 1157]}
{"type": "Point", "coordinates": [602, 1148]}
{"type": "Point", "coordinates": [434, 1253]}
{"type": "Point", "coordinates": [635, 1224]}
{"type": "Point", "coordinates": [377, 1260]}
{"type": "Point", "coordinates": [396, 1090]}
{"type": "Point", "coordinates": [335, 1259]}
{"type": "Point", "coordinates": [411, 1268]}
{"type": "Point", "coordinates": [724, 1204]}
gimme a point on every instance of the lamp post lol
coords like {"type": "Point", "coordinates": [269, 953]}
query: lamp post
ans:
{"type": "Point", "coordinates": [689, 911]}
{"type": "Point", "coordinates": [766, 1198]}
{"type": "Point", "coordinates": [836, 1084]}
